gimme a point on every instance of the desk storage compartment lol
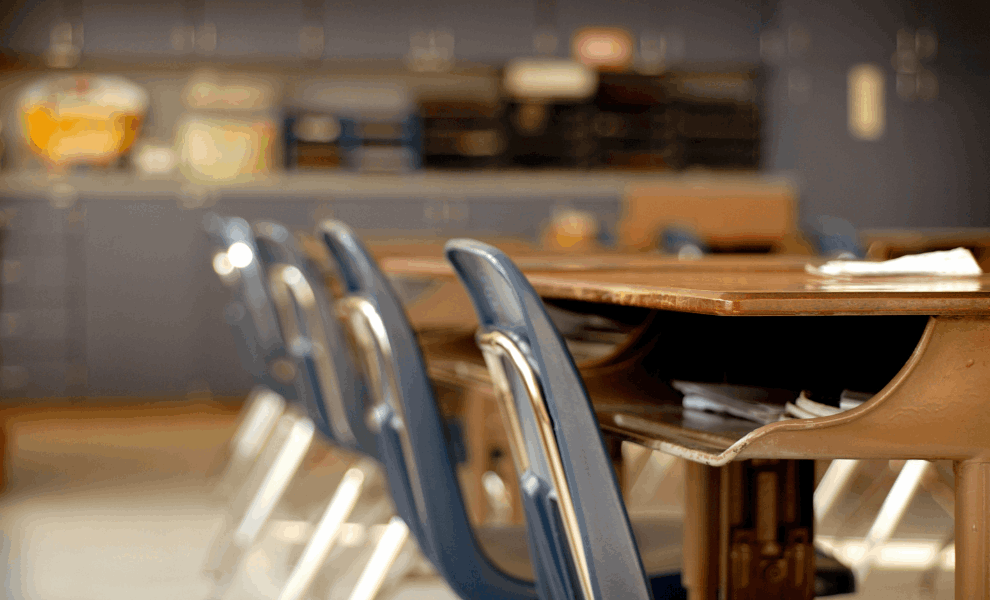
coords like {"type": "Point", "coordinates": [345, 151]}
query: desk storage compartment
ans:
{"type": "Point", "coordinates": [792, 353]}
{"type": "Point", "coordinates": [778, 358]}
{"type": "Point", "coordinates": [629, 358]}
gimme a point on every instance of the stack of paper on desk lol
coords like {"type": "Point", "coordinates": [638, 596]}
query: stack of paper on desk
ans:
{"type": "Point", "coordinates": [950, 262]}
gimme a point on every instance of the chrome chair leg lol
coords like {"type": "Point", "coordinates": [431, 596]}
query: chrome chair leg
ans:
{"type": "Point", "coordinates": [263, 489]}
{"type": "Point", "coordinates": [894, 506]}
{"type": "Point", "coordinates": [581, 541]}
{"type": "Point", "coordinates": [376, 571]}
{"type": "Point", "coordinates": [324, 535]}
{"type": "Point", "coordinates": [412, 438]}
{"type": "Point", "coordinates": [286, 322]}
{"type": "Point", "coordinates": [261, 413]}
{"type": "Point", "coordinates": [833, 485]}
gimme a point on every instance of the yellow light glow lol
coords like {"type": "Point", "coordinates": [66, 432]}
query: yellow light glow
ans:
{"type": "Point", "coordinates": [603, 48]}
{"type": "Point", "coordinates": [572, 229]}
{"type": "Point", "coordinates": [222, 264]}
{"type": "Point", "coordinates": [867, 109]}
{"type": "Point", "coordinates": [240, 255]}
{"type": "Point", "coordinates": [549, 80]}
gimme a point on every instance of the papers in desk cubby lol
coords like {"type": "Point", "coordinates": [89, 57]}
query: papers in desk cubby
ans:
{"type": "Point", "coordinates": [850, 399]}
{"type": "Point", "coordinates": [750, 403]}
{"type": "Point", "coordinates": [806, 408]}
{"type": "Point", "coordinates": [761, 405]}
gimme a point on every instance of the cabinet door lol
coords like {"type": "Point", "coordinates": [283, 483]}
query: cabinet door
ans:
{"type": "Point", "coordinates": [252, 28]}
{"type": "Point", "coordinates": [42, 336]}
{"type": "Point", "coordinates": [114, 30]}
{"type": "Point", "coordinates": [146, 269]}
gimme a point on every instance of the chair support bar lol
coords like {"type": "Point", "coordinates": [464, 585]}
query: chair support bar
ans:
{"type": "Point", "coordinates": [497, 346]}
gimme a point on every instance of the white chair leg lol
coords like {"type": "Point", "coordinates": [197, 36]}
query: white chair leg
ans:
{"type": "Point", "coordinates": [655, 473]}
{"type": "Point", "coordinates": [378, 568]}
{"type": "Point", "coordinates": [264, 488]}
{"type": "Point", "coordinates": [833, 485]}
{"type": "Point", "coordinates": [894, 506]}
{"type": "Point", "coordinates": [324, 535]}
{"type": "Point", "coordinates": [258, 420]}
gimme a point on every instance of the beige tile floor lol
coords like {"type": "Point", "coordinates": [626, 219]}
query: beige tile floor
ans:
{"type": "Point", "coordinates": [123, 542]}
{"type": "Point", "coordinates": [120, 508]}
{"type": "Point", "coordinates": [114, 508]}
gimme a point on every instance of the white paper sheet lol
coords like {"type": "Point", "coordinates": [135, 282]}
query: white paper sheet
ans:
{"type": "Point", "coordinates": [949, 262]}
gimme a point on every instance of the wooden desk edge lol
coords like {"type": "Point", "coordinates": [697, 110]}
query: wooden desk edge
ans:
{"type": "Point", "coordinates": [934, 408]}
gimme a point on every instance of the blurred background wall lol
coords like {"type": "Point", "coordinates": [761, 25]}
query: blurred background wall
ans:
{"type": "Point", "coordinates": [485, 31]}
{"type": "Point", "coordinates": [929, 168]}
{"type": "Point", "coordinates": [108, 290]}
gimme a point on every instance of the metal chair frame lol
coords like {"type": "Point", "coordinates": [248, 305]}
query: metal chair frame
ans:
{"type": "Point", "coordinates": [584, 542]}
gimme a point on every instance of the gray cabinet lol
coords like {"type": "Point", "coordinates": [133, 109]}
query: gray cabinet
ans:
{"type": "Point", "coordinates": [115, 294]}
{"type": "Point", "coordinates": [42, 300]}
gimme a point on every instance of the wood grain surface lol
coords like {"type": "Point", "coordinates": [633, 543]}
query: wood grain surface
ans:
{"type": "Point", "coordinates": [729, 285]}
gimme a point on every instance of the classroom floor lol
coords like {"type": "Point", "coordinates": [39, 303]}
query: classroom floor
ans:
{"type": "Point", "coordinates": [112, 506]}
{"type": "Point", "coordinates": [117, 506]}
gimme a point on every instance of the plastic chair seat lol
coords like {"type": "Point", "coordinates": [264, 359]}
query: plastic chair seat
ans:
{"type": "Point", "coordinates": [659, 542]}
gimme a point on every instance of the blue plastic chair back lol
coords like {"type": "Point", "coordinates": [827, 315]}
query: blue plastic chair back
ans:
{"type": "Point", "coordinates": [250, 313]}
{"type": "Point", "coordinates": [413, 439]}
{"type": "Point", "coordinates": [836, 238]}
{"type": "Point", "coordinates": [581, 541]}
{"type": "Point", "coordinates": [327, 378]}
{"type": "Point", "coordinates": [675, 240]}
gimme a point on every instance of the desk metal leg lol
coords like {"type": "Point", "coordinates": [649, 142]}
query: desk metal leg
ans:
{"type": "Point", "coordinates": [748, 530]}
{"type": "Point", "coordinates": [702, 508]}
{"type": "Point", "coordinates": [767, 530]}
{"type": "Point", "coordinates": [972, 530]}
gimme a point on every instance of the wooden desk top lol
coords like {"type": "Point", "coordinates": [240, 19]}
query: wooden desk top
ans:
{"type": "Point", "coordinates": [734, 285]}
{"type": "Point", "coordinates": [432, 266]}
{"type": "Point", "coordinates": [771, 293]}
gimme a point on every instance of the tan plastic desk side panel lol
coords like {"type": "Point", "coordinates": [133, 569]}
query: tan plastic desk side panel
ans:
{"type": "Point", "coordinates": [935, 408]}
{"type": "Point", "coordinates": [724, 213]}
